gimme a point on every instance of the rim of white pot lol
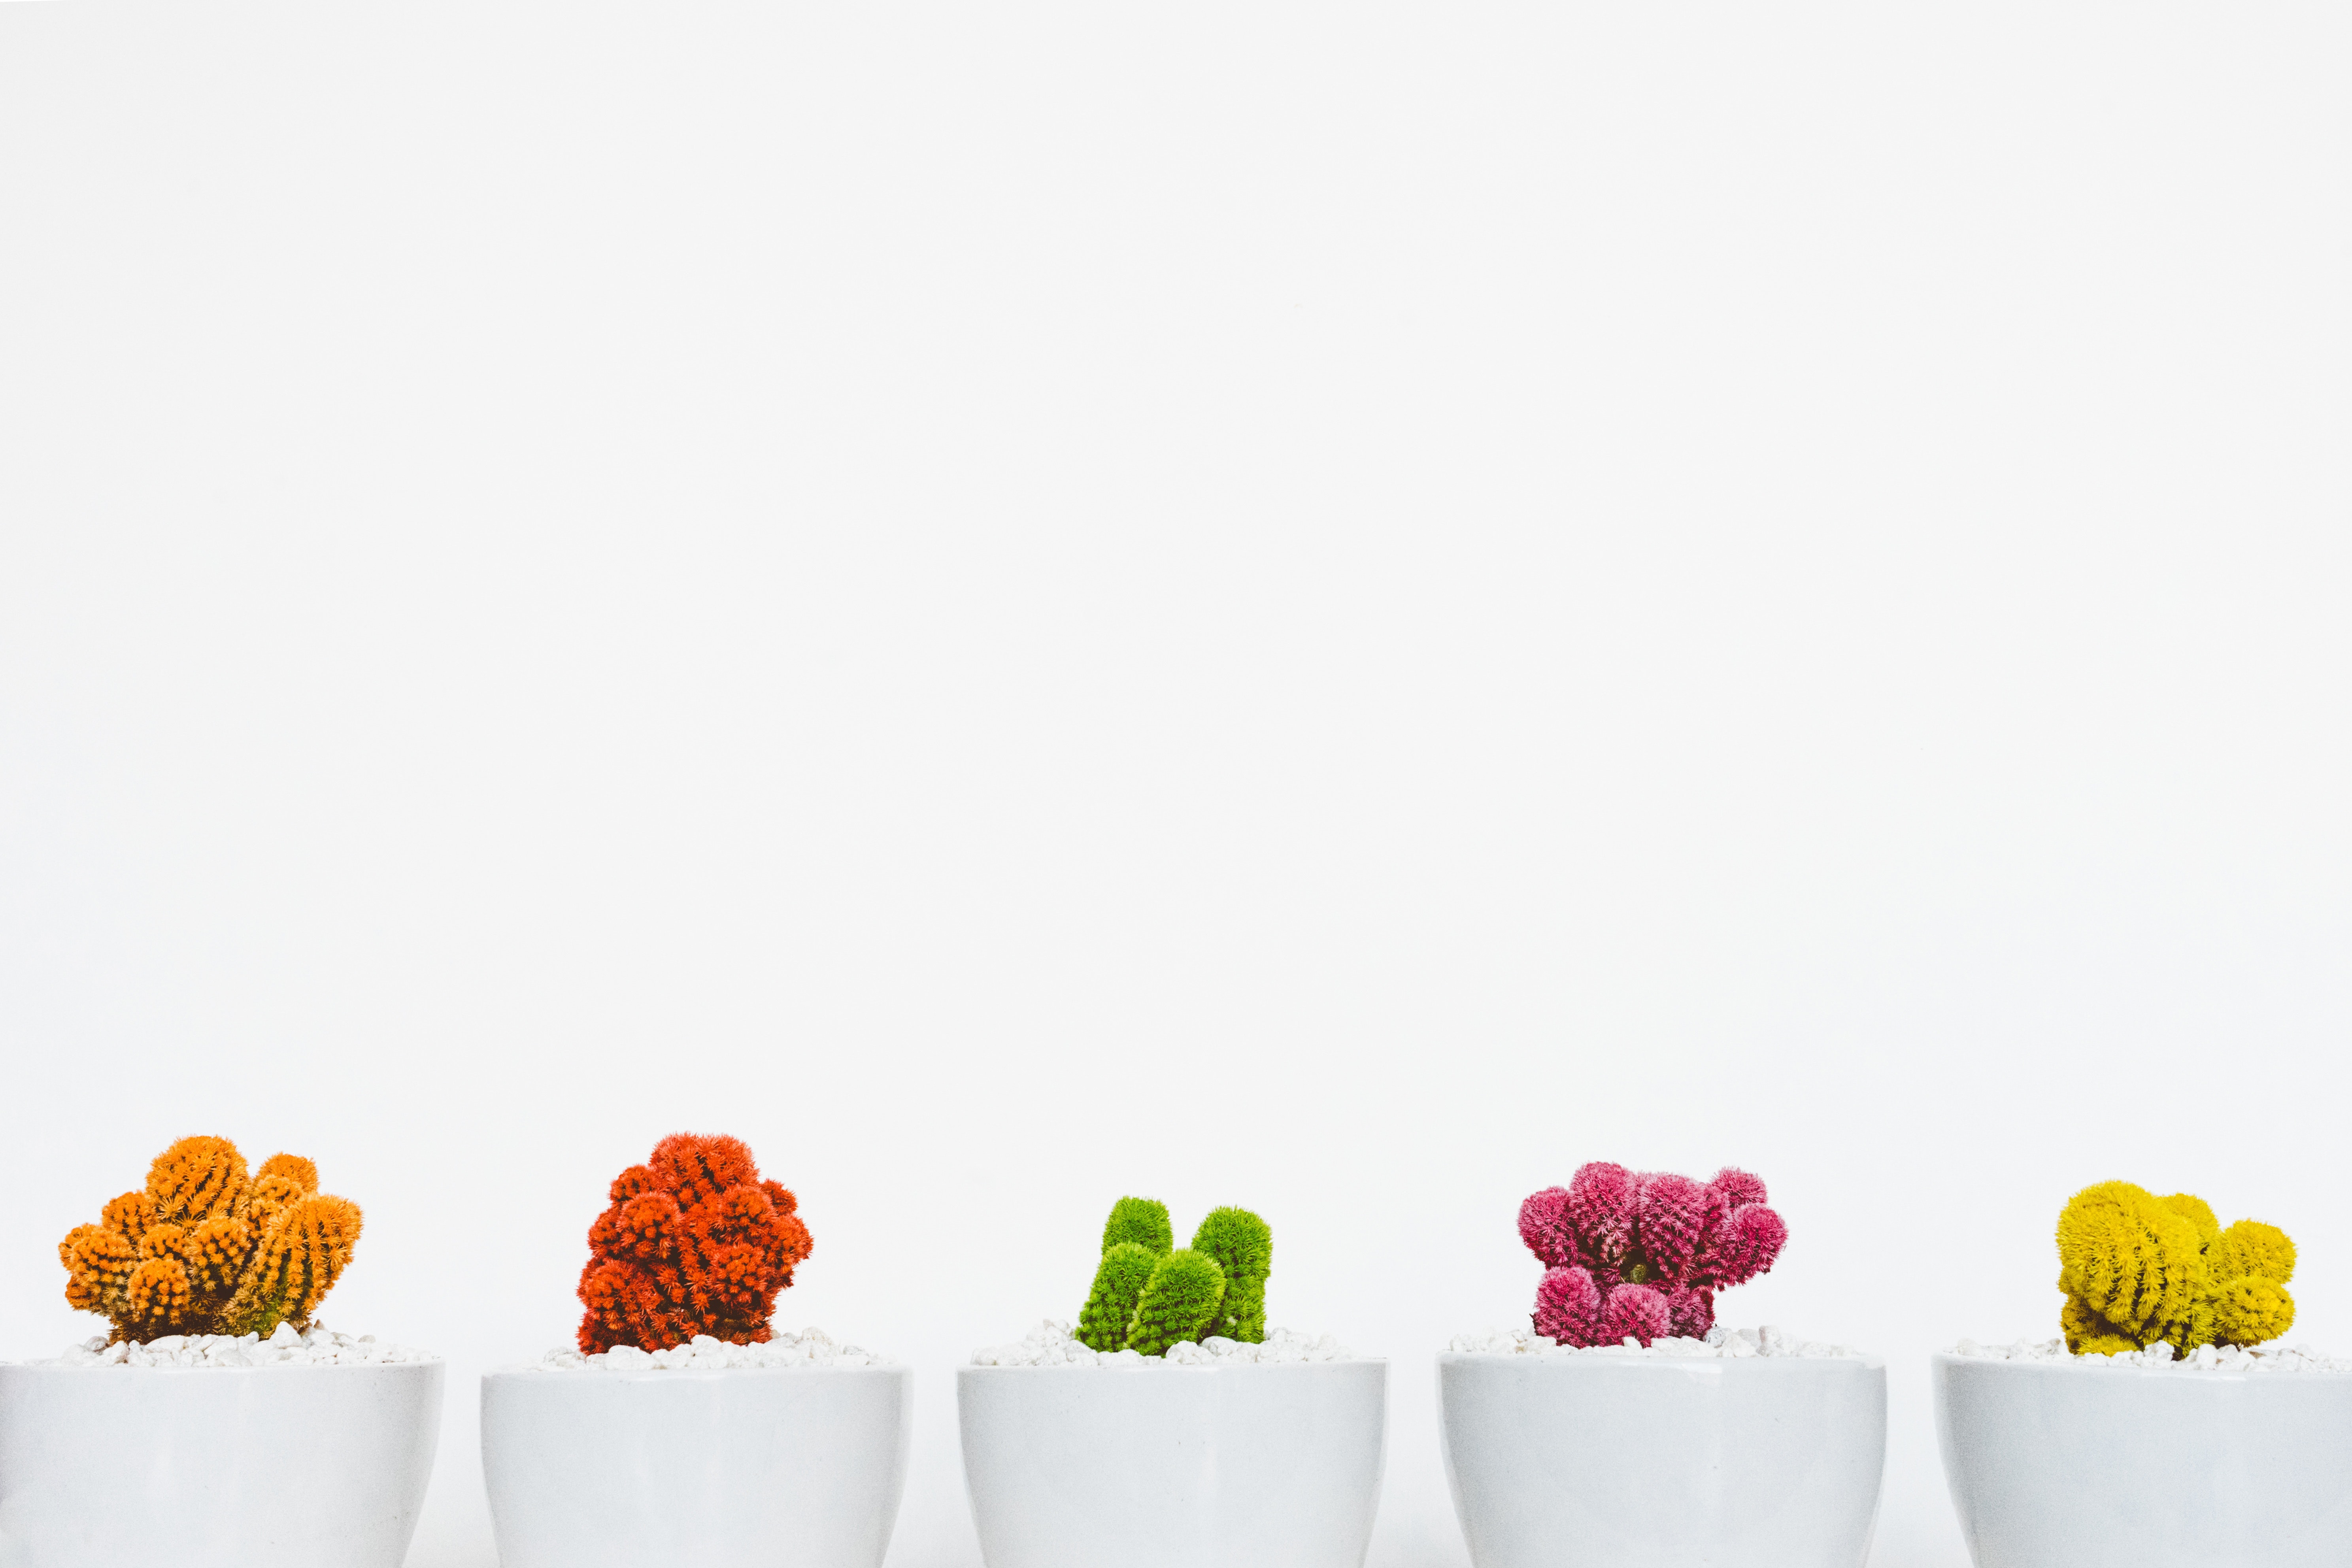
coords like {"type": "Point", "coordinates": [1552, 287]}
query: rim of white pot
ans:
{"type": "Point", "coordinates": [1669, 1362]}
{"type": "Point", "coordinates": [2174, 1371]}
{"type": "Point", "coordinates": [115, 1369]}
{"type": "Point", "coordinates": [1153, 1367]}
{"type": "Point", "coordinates": [688, 1373]}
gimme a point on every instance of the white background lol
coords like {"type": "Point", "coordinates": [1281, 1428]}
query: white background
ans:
{"type": "Point", "coordinates": [1337, 608]}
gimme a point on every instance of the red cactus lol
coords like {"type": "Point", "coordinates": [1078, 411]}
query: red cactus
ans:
{"type": "Point", "coordinates": [1642, 1254]}
{"type": "Point", "coordinates": [695, 1243]}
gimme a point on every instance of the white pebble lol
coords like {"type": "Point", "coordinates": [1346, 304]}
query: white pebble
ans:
{"type": "Point", "coordinates": [1720, 1344]}
{"type": "Point", "coordinates": [285, 1347]}
{"type": "Point", "coordinates": [810, 1347]}
{"type": "Point", "coordinates": [2275, 1359]}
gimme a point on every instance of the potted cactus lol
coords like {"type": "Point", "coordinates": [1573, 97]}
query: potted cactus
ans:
{"type": "Point", "coordinates": [682, 1428]}
{"type": "Point", "coordinates": [1173, 1428]}
{"type": "Point", "coordinates": [217, 1420]}
{"type": "Point", "coordinates": [2165, 1424]}
{"type": "Point", "coordinates": [1623, 1423]}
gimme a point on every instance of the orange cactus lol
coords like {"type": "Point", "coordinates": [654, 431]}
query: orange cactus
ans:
{"type": "Point", "coordinates": [208, 1249]}
{"type": "Point", "coordinates": [302, 1255]}
{"type": "Point", "coordinates": [196, 1178]}
{"type": "Point", "coordinates": [694, 1243]}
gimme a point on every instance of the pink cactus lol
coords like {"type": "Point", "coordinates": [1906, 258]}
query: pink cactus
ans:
{"type": "Point", "coordinates": [1632, 1311]}
{"type": "Point", "coordinates": [1675, 1218]}
{"type": "Point", "coordinates": [1543, 1225]}
{"type": "Point", "coordinates": [1738, 1188]}
{"type": "Point", "coordinates": [1642, 1254]}
{"type": "Point", "coordinates": [1744, 1244]}
{"type": "Point", "coordinates": [1690, 1311]}
{"type": "Point", "coordinates": [1567, 1306]}
{"type": "Point", "coordinates": [1600, 1212]}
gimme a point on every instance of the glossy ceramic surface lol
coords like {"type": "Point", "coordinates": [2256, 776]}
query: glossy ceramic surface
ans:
{"type": "Point", "coordinates": [1668, 1463]}
{"type": "Point", "coordinates": [1234, 1467]}
{"type": "Point", "coordinates": [269, 1467]}
{"type": "Point", "coordinates": [2059, 1465]}
{"type": "Point", "coordinates": [749, 1467]}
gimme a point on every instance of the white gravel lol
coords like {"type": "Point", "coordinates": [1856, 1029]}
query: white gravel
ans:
{"type": "Point", "coordinates": [284, 1347]}
{"type": "Point", "coordinates": [2274, 1357]}
{"type": "Point", "coordinates": [810, 1347]}
{"type": "Point", "coordinates": [1051, 1344]}
{"type": "Point", "coordinates": [1721, 1344]}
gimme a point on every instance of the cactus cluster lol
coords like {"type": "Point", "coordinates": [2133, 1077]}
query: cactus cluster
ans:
{"type": "Point", "coordinates": [694, 1243]}
{"type": "Point", "coordinates": [1150, 1294]}
{"type": "Point", "coordinates": [2137, 1268]}
{"type": "Point", "coordinates": [1641, 1254]}
{"type": "Point", "coordinates": [210, 1249]}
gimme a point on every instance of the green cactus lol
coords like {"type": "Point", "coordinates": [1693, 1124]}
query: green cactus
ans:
{"type": "Point", "coordinates": [1126, 1268]}
{"type": "Point", "coordinates": [1243, 1246]}
{"type": "Point", "coordinates": [1180, 1302]}
{"type": "Point", "coordinates": [1143, 1221]}
{"type": "Point", "coordinates": [1147, 1296]}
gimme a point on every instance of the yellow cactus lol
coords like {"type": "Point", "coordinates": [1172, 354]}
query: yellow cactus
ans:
{"type": "Point", "coordinates": [2137, 1268]}
{"type": "Point", "coordinates": [2089, 1334]}
{"type": "Point", "coordinates": [2250, 1246]}
{"type": "Point", "coordinates": [2252, 1311]}
{"type": "Point", "coordinates": [208, 1249]}
{"type": "Point", "coordinates": [2197, 1212]}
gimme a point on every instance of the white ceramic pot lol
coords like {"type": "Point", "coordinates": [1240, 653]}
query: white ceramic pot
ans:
{"type": "Point", "coordinates": [2054, 1464]}
{"type": "Point", "coordinates": [303, 1467]}
{"type": "Point", "coordinates": [744, 1468]}
{"type": "Point", "coordinates": [1669, 1462]}
{"type": "Point", "coordinates": [1228, 1467]}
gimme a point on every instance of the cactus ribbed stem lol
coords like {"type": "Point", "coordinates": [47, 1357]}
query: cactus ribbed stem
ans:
{"type": "Point", "coordinates": [1243, 1246]}
{"type": "Point", "coordinates": [1110, 1305]}
{"type": "Point", "coordinates": [1180, 1302]}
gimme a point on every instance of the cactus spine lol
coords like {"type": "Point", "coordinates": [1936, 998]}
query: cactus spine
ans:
{"type": "Point", "coordinates": [2137, 1268]}
{"type": "Point", "coordinates": [207, 1248]}
{"type": "Point", "coordinates": [1150, 1295]}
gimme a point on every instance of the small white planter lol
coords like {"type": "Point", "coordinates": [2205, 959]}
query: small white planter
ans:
{"type": "Point", "coordinates": [2066, 1466]}
{"type": "Point", "coordinates": [745, 1467]}
{"type": "Point", "coordinates": [266, 1467]}
{"type": "Point", "coordinates": [1669, 1462]}
{"type": "Point", "coordinates": [1172, 1466]}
